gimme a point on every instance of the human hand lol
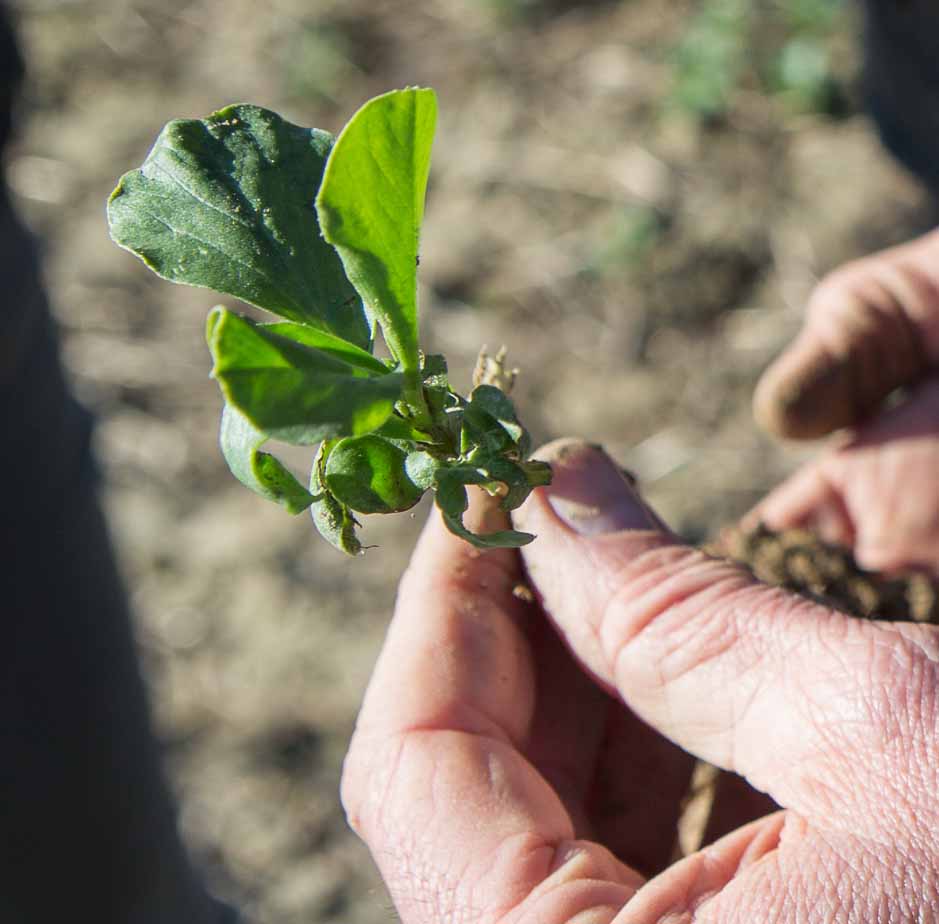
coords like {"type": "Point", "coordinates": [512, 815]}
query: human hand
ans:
{"type": "Point", "coordinates": [876, 491]}
{"type": "Point", "coordinates": [871, 327]}
{"type": "Point", "coordinates": [516, 764]}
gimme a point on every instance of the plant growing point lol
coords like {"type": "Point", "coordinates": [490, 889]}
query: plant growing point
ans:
{"type": "Point", "coordinates": [324, 233]}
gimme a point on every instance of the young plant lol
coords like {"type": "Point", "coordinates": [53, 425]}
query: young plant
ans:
{"type": "Point", "coordinates": [323, 232]}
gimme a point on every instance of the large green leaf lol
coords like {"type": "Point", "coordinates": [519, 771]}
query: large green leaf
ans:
{"type": "Point", "coordinates": [371, 204]}
{"type": "Point", "coordinates": [293, 392]}
{"type": "Point", "coordinates": [227, 203]}
{"type": "Point", "coordinates": [259, 471]}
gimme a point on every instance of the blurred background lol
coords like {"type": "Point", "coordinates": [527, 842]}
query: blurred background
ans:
{"type": "Point", "coordinates": [634, 197]}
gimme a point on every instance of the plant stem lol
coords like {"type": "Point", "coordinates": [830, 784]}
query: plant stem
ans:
{"type": "Point", "coordinates": [413, 396]}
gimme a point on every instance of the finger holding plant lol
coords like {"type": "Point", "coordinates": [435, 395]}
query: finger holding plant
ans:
{"type": "Point", "coordinates": [324, 233]}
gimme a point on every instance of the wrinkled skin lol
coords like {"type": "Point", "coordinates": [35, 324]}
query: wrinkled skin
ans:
{"type": "Point", "coordinates": [501, 775]}
{"type": "Point", "coordinates": [522, 763]}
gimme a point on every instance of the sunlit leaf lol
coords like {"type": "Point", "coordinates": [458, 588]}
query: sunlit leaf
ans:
{"type": "Point", "coordinates": [369, 475]}
{"type": "Point", "coordinates": [227, 203]}
{"type": "Point", "coordinates": [371, 205]}
{"type": "Point", "coordinates": [259, 471]}
{"type": "Point", "coordinates": [293, 392]}
{"type": "Point", "coordinates": [453, 501]}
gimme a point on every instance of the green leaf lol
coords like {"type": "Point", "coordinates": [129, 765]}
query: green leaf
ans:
{"type": "Point", "coordinates": [396, 428]}
{"type": "Point", "coordinates": [506, 479]}
{"type": "Point", "coordinates": [422, 468]}
{"type": "Point", "coordinates": [329, 343]}
{"type": "Point", "coordinates": [371, 204]}
{"type": "Point", "coordinates": [259, 471]}
{"type": "Point", "coordinates": [489, 421]}
{"type": "Point", "coordinates": [227, 203]}
{"type": "Point", "coordinates": [434, 371]}
{"type": "Point", "coordinates": [368, 474]}
{"type": "Point", "coordinates": [452, 500]}
{"type": "Point", "coordinates": [294, 392]}
{"type": "Point", "coordinates": [335, 521]}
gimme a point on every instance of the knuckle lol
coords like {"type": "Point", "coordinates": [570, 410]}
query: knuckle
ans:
{"type": "Point", "coordinates": [677, 615]}
{"type": "Point", "coordinates": [368, 773]}
{"type": "Point", "coordinates": [836, 290]}
{"type": "Point", "coordinates": [873, 295]}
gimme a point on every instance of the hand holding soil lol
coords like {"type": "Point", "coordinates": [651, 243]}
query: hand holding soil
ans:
{"type": "Point", "coordinates": [875, 492]}
{"type": "Point", "coordinates": [517, 762]}
{"type": "Point", "coordinates": [872, 327]}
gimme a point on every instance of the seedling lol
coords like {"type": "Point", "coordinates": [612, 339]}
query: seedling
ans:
{"type": "Point", "coordinates": [323, 232]}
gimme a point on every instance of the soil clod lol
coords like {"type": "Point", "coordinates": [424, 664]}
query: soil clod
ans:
{"type": "Point", "coordinates": [798, 560]}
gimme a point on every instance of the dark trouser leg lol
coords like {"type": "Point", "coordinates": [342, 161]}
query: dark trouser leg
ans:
{"type": "Point", "coordinates": [901, 81]}
{"type": "Point", "coordinates": [86, 822]}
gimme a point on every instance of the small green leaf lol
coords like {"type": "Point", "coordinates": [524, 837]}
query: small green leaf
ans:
{"type": "Point", "coordinates": [227, 203]}
{"type": "Point", "coordinates": [452, 500]}
{"type": "Point", "coordinates": [259, 471]}
{"type": "Point", "coordinates": [421, 468]}
{"type": "Point", "coordinates": [335, 522]}
{"type": "Point", "coordinates": [506, 479]}
{"type": "Point", "coordinates": [294, 392]}
{"type": "Point", "coordinates": [434, 371]}
{"type": "Point", "coordinates": [445, 407]}
{"type": "Point", "coordinates": [489, 421]}
{"type": "Point", "coordinates": [368, 474]}
{"type": "Point", "coordinates": [371, 205]}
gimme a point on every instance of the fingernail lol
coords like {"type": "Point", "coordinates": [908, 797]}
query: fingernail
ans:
{"type": "Point", "coordinates": [590, 493]}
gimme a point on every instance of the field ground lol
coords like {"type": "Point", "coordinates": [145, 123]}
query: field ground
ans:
{"type": "Point", "coordinates": [634, 197]}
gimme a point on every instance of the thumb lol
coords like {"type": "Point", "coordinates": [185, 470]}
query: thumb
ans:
{"type": "Point", "coordinates": [871, 327]}
{"type": "Point", "coordinates": [745, 676]}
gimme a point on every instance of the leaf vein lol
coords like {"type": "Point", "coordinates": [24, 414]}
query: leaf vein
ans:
{"type": "Point", "coordinates": [230, 256]}
{"type": "Point", "coordinates": [273, 250]}
{"type": "Point", "coordinates": [209, 205]}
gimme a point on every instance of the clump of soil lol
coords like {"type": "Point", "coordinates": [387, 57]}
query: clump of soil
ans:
{"type": "Point", "coordinates": [798, 560]}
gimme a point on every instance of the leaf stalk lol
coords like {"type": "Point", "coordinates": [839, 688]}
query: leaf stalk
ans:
{"type": "Point", "coordinates": [413, 397]}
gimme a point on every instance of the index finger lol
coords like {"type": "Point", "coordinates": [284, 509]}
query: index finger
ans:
{"type": "Point", "coordinates": [779, 689]}
{"type": "Point", "coordinates": [455, 656]}
{"type": "Point", "coordinates": [461, 825]}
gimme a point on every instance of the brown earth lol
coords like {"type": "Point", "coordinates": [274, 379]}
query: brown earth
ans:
{"type": "Point", "coordinates": [642, 263]}
{"type": "Point", "coordinates": [799, 561]}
